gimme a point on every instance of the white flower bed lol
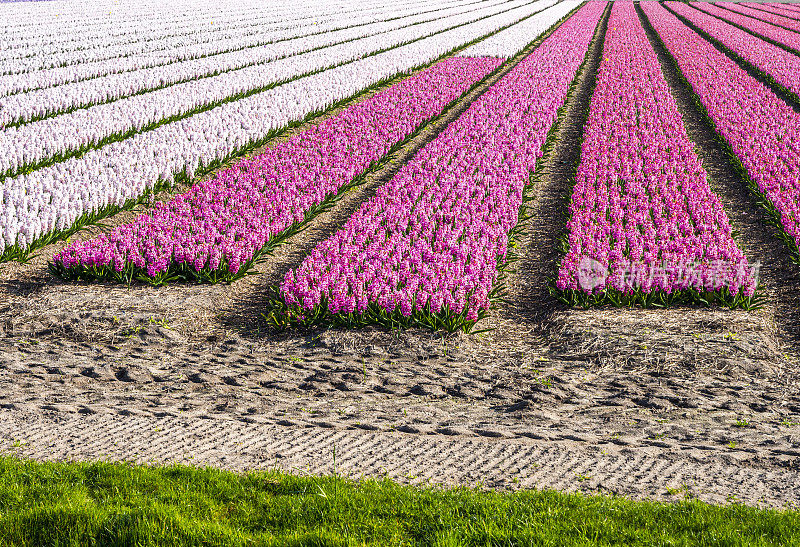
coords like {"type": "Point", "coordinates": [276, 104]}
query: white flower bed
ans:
{"type": "Point", "coordinates": [200, 32]}
{"type": "Point", "coordinates": [44, 139]}
{"type": "Point", "coordinates": [23, 107]}
{"type": "Point", "coordinates": [82, 40]}
{"type": "Point", "coordinates": [212, 45]}
{"type": "Point", "coordinates": [144, 20]}
{"type": "Point", "coordinates": [514, 39]}
{"type": "Point", "coordinates": [54, 197]}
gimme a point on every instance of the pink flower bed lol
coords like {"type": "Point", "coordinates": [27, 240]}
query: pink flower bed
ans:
{"type": "Point", "coordinates": [787, 10]}
{"type": "Point", "coordinates": [427, 249]}
{"type": "Point", "coordinates": [219, 227]}
{"type": "Point", "coordinates": [793, 8]}
{"type": "Point", "coordinates": [761, 129]}
{"type": "Point", "coordinates": [783, 66]}
{"type": "Point", "coordinates": [771, 32]}
{"type": "Point", "coordinates": [644, 228]}
{"type": "Point", "coordinates": [762, 15]}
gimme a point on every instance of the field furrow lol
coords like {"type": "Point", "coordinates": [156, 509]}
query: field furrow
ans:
{"type": "Point", "coordinates": [762, 131]}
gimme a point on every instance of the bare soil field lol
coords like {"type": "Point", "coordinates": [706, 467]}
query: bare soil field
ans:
{"type": "Point", "coordinates": [701, 402]}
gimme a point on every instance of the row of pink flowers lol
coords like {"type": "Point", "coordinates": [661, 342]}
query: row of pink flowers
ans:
{"type": "Point", "coordinates": [219, 225]}
{"type": "Point", "coordinates": [762, 130]}
{"type": "Point", "coordinates": [762, 28]}
{"type": "Point", "coordinates": [792, 8]}
{"type": "Point", "coordinates": [783, 66]}
{"type": "Point", "coordinates": [787, 10]}
{"type": "Point", "coordinates": [641, 199]}
{"type": "Point", "coordinates": [431, 239]}
{"type": "Point", "coordinates": [763, 15]}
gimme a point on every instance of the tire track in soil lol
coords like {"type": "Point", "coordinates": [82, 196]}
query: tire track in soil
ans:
{"type": "Point", "coordinates": [489, 463]}
{"type": "Point", "coordinates": [757, 237]}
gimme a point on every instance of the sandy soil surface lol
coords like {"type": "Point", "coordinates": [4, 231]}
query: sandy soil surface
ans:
{"type": "Point", "coordinates": [646, 403]}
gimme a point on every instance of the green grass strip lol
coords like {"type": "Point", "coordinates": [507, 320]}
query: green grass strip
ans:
{"type": "Point", "coordinates": [64, 504]}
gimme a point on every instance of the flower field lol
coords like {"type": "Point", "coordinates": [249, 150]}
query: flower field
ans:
{"type": "Point", "coordinates": [786, 11]}
{"type": "Point", "coordinates": [642, 212]}
{"type": "Point", "coordinates": [782, 66]}
{"type": "Point", "coordinates": [101, 108]}
{"type": "Point", "coordinates": [770, 17]}
{"type": "Point", "coordinates": [426, 249]}
{"type": "Point", "coordinates": [220, 225]}
{"type": "Point", "coordinates": [763, 131]}
{"type": "Point", "coordinates": [778, 35]}
{"type": "Point", "coordinates": [251, 52]}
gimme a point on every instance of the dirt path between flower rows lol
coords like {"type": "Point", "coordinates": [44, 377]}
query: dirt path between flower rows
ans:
{"type": "Point", "coordinates": [646, 403]}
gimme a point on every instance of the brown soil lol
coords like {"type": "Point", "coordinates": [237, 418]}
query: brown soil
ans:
{"type": "Point", "coordinates": [646, 403]}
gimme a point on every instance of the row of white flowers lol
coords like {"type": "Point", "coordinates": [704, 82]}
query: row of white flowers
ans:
{"type": "Point", "coordinates": [198, 27]}
{"type": "Point", "coordinates": [23, 107]}
{"type": "Point", "coordinates": [263, 35]}
{"type": "Point", "coordinates": [512, 40]}
{"type": "Point", "coordinates": [69, 16]}
{"type": "Point", "coordinates": [205, 34]}
{"type": "Point", "coordinates": [55, 197]}
{"type": "Point", "coordinates": [41, 140]}
{"type": "Point", "coordinates": [85, 35]}
{"type": "Point", "coordinates": [144, 19]}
